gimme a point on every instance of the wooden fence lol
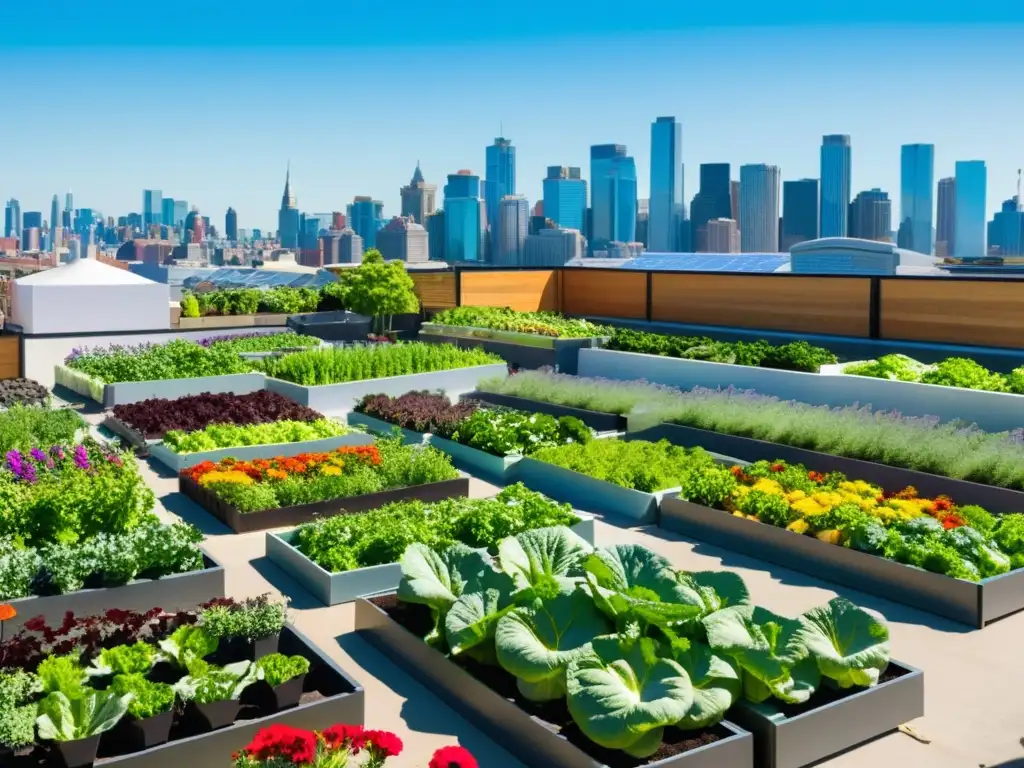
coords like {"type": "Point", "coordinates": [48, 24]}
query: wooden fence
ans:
{"type": "Point", "coordinates": [945, 310]}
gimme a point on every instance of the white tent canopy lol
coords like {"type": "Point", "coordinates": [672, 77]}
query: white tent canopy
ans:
{"type": "Point", "coordinates": [88, 296]}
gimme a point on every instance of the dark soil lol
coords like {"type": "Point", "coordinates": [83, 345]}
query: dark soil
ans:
{"type": "Point", "coordinates": [553, 715]}
{"type": "Point", "coordinates": [828, 693]}
{"type": "Point", "coordinates": [24, 391]}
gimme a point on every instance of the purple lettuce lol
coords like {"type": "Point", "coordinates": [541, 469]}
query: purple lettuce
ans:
{"type": "Point", "coordinates": [419, 411]}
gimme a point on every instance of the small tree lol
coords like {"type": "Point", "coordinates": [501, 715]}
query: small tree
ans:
{"type": "Point", "coordinates": [380, 289]}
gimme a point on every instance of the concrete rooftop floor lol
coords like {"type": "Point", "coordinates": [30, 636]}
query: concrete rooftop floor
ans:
{"type": "Point", "coordinates": [974, 713]}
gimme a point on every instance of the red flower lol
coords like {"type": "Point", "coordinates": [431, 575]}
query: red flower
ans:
{"type": "Point", "coordinates": [816, 477]}
{"type": "Point", "coordinates": [383, 743]}
{"type": "Point", "coordinates": [295, 744]}
{"type": "Point", "coordinates": [942, 504]}
{"type": "Point", "coordinates": [337, 736]}
{"type": "Point", "coordinates": [778, 467]}
{"type": "Point", "coordinates": [453, 757]}
{"type": "Point", "coordinates": [952, 521]}
{"type": "Point", "coordinates": [38, 624]}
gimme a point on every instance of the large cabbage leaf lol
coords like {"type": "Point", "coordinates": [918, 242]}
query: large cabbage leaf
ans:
{"type": "Point", "coordinates": [849, 644]}
{"type": "Point", "coordinates": [716, 684]}
{"type": "Point", "coordinates": [64, 719]}
{"type": "Point", "coordinates": [543, 553]}
{"type": "Point", "coordinates": [623, 693]}
{"type": "Point", "coordinates": [470, 623]}
{"type": "Point", "coordinates": [537, 643]}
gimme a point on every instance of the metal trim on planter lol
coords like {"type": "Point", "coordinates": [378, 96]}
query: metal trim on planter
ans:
{"type": "Point", "coordinates": [346, 703]}
{"type": "Point", "coordinates": [596, 420]}
{"type": "Point", "coordinates": [528, 350]}
{"type": "Point", "coordinates": [126, 392]}
{"type": "Point", "coordinates": [511, 727]}
{"type": "Point", "coordinates": [968, 602]}
{"type": "Point", "coordinates": [336, 588]}
{"type": "Point", "coordinates": [130, 435]}
{"type": "Point", "coordinates": [992, 498]}
{"type": "Point", "coordinates": [477, 462]}
{"type": "Point", "coordinates": [180, 591]}
{"type": "Point", "coordinates": [588, 493]}
{"type": "Point", "coordinates": [176, 462]}
{"type": "Point", "coordinates": [247, 522]}
{"type": "Point", "coordinates": [343, 397]}
{"type": "Point", "coordinates": [373, 424]}
{"type": "Point", "coordinates": [805, 739]}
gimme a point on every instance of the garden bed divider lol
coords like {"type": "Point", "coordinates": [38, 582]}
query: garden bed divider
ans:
{"type": "Point", "coordinates": [528, 350]}
{"type": "Point", "coordinates": [499, 469]}
{"type": "Point", "coordinates": [177, 462]}
{"type": "Point", "coordinates": [373, 424]}
{"type": "Point", "coordinates": [596, 420]}
{"type": "Point", "coordinates": [126, 392]}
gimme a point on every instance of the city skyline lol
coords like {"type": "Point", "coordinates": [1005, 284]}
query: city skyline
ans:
{"type": "Point", "coordinates": [220, 161]}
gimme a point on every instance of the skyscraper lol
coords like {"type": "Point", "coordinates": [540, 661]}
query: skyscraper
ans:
{"type": "Point", "coordinates": [712, 201]}
{"type": "Point", "coordinates": [971, 216]}
{"type": "Point", "coordinates": [499, 182]}
{"type": "Point", "coordinates": [1006, 230]}
{"type": "Point", "coordinates": [612, 195]}
{"type": "Point", "coordinates": [514, 220]}
{"type": "Point", "coordinates": [152, 208]}
{"type": "Point", "coordinates": [54, 213]}
{"type": "Point", "coordinates": [32, 219]}
{"type": "Point", "coordinates": [945, 224]}
{"type": "Point", "coordinates": [464, 214]}
{"type": "Point", "coordinates": [180, 212]}
{"type": "Point", "coordinates": [231, 225]}
{"type": "Point", "coordinates": [288, 217]}
{"type": "Point", "coordinates": [666, 185]}
{"type": "Point", "coordinates": [435, 235]}
{"type": "Point", "coordinates": [799, 212]}
{"type": "Point", "coordinates": [418, 198]}
{"type": "Point", "coordinates": [366, 217]}
{"type": "Point", "coordinates": [871, 216]}
{"type": "Point", "coordinates": [917, 182]}
{"type": "Point", "coordinates": [12, 219]}
{"type": "Point", "coordinates": [167, 211]}
{"type": "Point", "coordinates": [68, 217]}
{"type": "Point", "coordinates": [403, 239]}
{"type": "Point", "coordinates": [759, 208]}
{"type": "Point", "coordinates": [835, 185]}
{"type": "Point", "coordinates": [722, 236]}
{"type": "Point", "coordinates": [565, 197]}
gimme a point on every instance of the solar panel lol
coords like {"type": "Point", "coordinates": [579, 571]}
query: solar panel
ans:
{"type": "Point", "coordinates": [709, 262]}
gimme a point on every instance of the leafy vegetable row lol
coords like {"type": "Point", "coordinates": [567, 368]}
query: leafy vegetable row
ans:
{"type": "Point", "coordinates": [25, 427]}
{"type": "Point", "coordinates": [961, 372]}
{"type": "Point", "coordinates": [215, 436]}
{"type": "Point", "coordinates": [505, 319]}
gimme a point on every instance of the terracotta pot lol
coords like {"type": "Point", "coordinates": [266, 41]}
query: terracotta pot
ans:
{"type": "Point", "coordinates": [78, 753]}
{"type": "Point", "coordinates": [217, 714]}
{"type": "Point", "coordinates": [150, 731]}
{"type": "Point", "coordinates": [288, 694]}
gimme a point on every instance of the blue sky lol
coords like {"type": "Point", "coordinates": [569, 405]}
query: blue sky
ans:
{"type": "Point", "coordinates": [210, 102]}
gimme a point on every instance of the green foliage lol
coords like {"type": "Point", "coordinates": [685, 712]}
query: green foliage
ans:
{"type": "Point", "coordinates": [505, 319]}
{"type": "Point", "coordinates": [23, 428]}
{"type": "Point", "coordinates": [265, 342]}
{"type": "Point", "coordinates": [210, 684]}
{"type": "Point", "coordinates": [278, 668]}
{"type": "Point", "coordinates": [189, 305]}
{"type": "Point", "coordinates": [896, 367]}
{"type": "Point", "coordinates": [177, 359]}
{"type": "Point", "coordinates": [379, 289]}
{"type": "Point", "coordinates": [769, 508]}
{"type": "Point", "coordinates": [380, 536]}
{"type": "Point", "coordinates": [18, 726]}
{"type": "Point", "coordinates": [850, 645]}
{"type": "Point", "coordinates": [149, 699]}
{"type": "Point", "coordinates": [379, 361]}
{"type": "Point", "coordinates": [234, 435]}
{"type": "Point", "coordinates": [65, 719]}
{"type": "Point", "coordinates": [137, 659]}
{"type": "Point", "coordinates": [960, 372]}
{"type": "Point", "coordinates": [187, 645]}
{"type": "Point", "coordinates": [1009, 535]}
{"type": "Point", "coordinates": [504, 432]}
{"type": "Point", "coordinates": [709, 486]}
{"type": "Point", "coordinates": [253, 619]}
{"type": "Point", "coordinates": [62, 674]}
{"type": "Point", "coordinates": [965, 374]}
{"type": "Point", "coordinates": [602, 395]}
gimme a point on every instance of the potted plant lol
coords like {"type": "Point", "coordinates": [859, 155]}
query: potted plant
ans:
{"type": "Point", "coordinates": [249, 629]}
{"type": "Point", "coordinates": [285, 675]}
{"type": "Point", "coordinates": [381, 290]}
{"type": "Point", "coordinates": [75, 725]}
{"type": "Point", "coordinates": [213, 693]}
{"type": "Point", "coordinates": [150, 711]}
{"type": "Point", "coordinates": [187, 646]}
{"type": "Point", "coordinates": [17, 711]}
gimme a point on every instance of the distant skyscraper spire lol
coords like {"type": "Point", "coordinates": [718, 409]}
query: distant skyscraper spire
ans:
{"type": "Point", "coordinates": [288, 198]}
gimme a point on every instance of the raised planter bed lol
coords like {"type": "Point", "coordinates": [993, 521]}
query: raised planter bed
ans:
{"type": "Point", "coordinates": [181, 461]}
{"type": "Point", "coordinates": [530, 739]}
{"type": "Point", "coordinates": [182, 591]}
{"type": "Point", "coordinates": [991, 497]}
{"type": "Point", "coordinates": [991, 411]}
{"type": "Point", "coordinates": [335, 588]}
{"type": "Point", "coordinates": [246, 522]}
{"type": "Point", "coordinates": [500, 469]}
{"type": "Point", "coordinates": [590, 494]}
{"type": "Point", "coordinates": [342, 397]}
{"type": "Point", "coordinates": [373, 424]}
{"type": "Point", "coordinates": [596, 420]}
{"type": "Point", "coordinates": [793, 737]}
{"type": "Point", "coordinates": [125, 392]}
{"type": "Point", "coordinates": [232, 321]}
{"type": "Point", "coordinates": [329, 696]}
{"type": "Point", "coordinates": [968, 602]}
{"type": "Point", "coordinates": [132, 437]}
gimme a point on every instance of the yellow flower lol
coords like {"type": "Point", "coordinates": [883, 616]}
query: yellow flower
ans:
{"type": "Point", "coordinates": [829, 537]}
{"type": "Point", "coordinates": [768, 486]}
{"type": "Point", "coordinates": [793, 496]}
{"type": "Point", "coordinates": [798, 526]}
{"type": "Point", "coordinates": [229, 476]}
{"type": "Point", "coordinates": [331, 470]}
{"type": "Point", "coordinates": [807, 507]}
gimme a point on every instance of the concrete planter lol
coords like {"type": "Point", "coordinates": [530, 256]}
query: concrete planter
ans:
{"type": "Point", "coordinates": [79, 383]}
{"type": "Point", "coordinates": [343, 397]}
{"type": "Point", "coordinates": [804, 739]}
{"type": "Point", "coordinates": [968, 602]}
{"type": "Point", "coordinates": [500, 469]}
{"type": "Point", "coordinates": [527, 350]}
{"type": "Point", "coordinates": [530, 740]}
{"type": "Point", "coordinates": [342, 700]}
{"type": "Point", "coordinates": [991, 497]}
{"type": "Point", "coordinates": [182, 591]}
{"type": "Point", "coordinates": [373, 424]}
{"type": "Point", "coordinates": [991, 411]}
{"type": "Point", "coordinates": [177, 462]}
{"type": "Point", "coordinates": [125, 392]}
{"type": "Point", "coordinates": [246, 522]}
{"type": "Point", "coordinates": [335, 588]}
{"type": "Point", "coordinates": [596, 420]}
{"type": "Point", "coordinates": [232, 321]}
{"type": "Point", "coordinates": [588, 493]}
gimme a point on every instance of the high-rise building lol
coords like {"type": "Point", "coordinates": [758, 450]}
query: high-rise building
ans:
{"type": "Point", "coordinates": [152, 208]}
{"type": "Point", "coordinates": [945, 218]}
{"type": "Point", "coordinates": [552, 247]}
{"type": "Point", "coordinates": [366, 216]}
{"type": "Point", "coordinates": [870, 216]}
{"type": "Point", "coordinates": [514, 225]}
{"type": "Point", "coordinates": [1006, 230]}
{"type": "Point", "coordinates": [231, 225]}
{"type": "Point", "coordinates": [54, 213]}
{"type": "Point", "coordinates": [464, 218]}
{"type": "Point", "coordinates": [971, 216]}
{"type": "Point", "coordinates": [167, 211]}
{"type": "Point", "coordinates": [68, 219]}
{"type": "Point", "coordinates": [612, 195]}
{"type": "Point", "coordinates": [723, 236]}
{"type": "Point", "coordinates": [180, 213]}
{"type": "Point", "coordinates": [195, 226]}
{"type": "Point", "coordinates": [666, 201]}
{"type": "Point", "coordinates": [288, 221]}
{"type": "Point", "coordinates": [836, 166]}
{"type": "Point", "coordinates": [565, 197]}
{"type": "Point", "coordinates": [759, 208]}
{"type": "Point", "coordinates": [403, 239]}
{"type": "Point", "coordinates": [917, 185]}
{"type": "Point", "coordinates": [30, 239]}
{"type": "Point", "coordinates": [435, 235]}
{"type": "Point", "coordinates": [499, 181]}
{"type": "Point", "coordinates": [418, 198]}
{"type": "Point", "coordinates": [343, 246]}
{"type": "Point", "coordinates": [32, 219]}
{"type": "Point", "coordinates": [799, 212]}
{"type": "Point", "coordinates": [712, 201]}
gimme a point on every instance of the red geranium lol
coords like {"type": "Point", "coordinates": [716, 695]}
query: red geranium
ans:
{"type": "Point", "coordinates": [383, 744]}
{"type": "Point", "coordinates": [778, 467]}
{"type": "Point", "coordinates": [295, 744]}
{"type": "Point", "coordinates": [341, 735]}
{"type": "Point", "coordinates": [453, 757]}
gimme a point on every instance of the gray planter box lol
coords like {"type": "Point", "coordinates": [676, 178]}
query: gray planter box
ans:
{"type": "Point", "coordinates": [373, 424]}
{"type": "Point", "coordinates": [182, 591]}
{"type": "Point", "coordinates": [343, 701]}
{"type": "Point", "coordinates": [126, 392]}
{"type": "Point", "coordinates": [991, 411]}
{"type": "Point", "coordinates": [335, 588]}
{"type": "Point", "coordinates": [819, 733]}
{"type": "Point", "coordinates": [488, 466]}
{"type": "Point", "coordinates": [596, 420]}
{"type": "Point", "coordinates": [530, 740]}
{"type": "Point", "coordinates": [527, 350]}
{"type": "Point", "coordinates": [968, 602]}
{"type": "Point", "coordinates": [588, 493]}
{"type": "Point", "coordinates": [342, 397]}
{"type": "Point", "coordinates": [177, 462]}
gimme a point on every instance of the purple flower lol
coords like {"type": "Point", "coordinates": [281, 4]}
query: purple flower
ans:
{"type": "Point", "coordinates": [57, 452]}
{"type": "Point", "coordinates": [28, 473]}
{"type": "Point", "coordinates": [81, 457]}
{"type": "Point", "coordinates": [39, 455]}
{"type": "Point", "coordinates": [14, 461]}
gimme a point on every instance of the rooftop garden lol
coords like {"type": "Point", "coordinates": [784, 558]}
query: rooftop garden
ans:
{"type": "Point", "coordinates": [504, 319]}
{"type": "Point", "coordinates": [960, 372]}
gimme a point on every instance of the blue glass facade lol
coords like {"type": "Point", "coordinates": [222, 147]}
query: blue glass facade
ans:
{"type": "Point", "coordinates": [565, 198]}
{"type": "Point", "coordinates": [366, 217]}
{"type": "Point", "coordinates": [31, 219]}
{"type": "Point", "coordinates": [514, 218]}
{"type": "Point", "coordinates": [499, 181]}
{"type": "Point", "coordinates": [666, 185]}
{"type": "Point", "coordinates": [12, 219]}
{"type": "Point", "coordinates": [971, 217]}
{"type": "Point", "coordinates": [799, 212]}
{"type": "Point", "coordinates": [152, 207]}
{"type": "Point", "coordinates": [836, 160]}
{"type": "Point", "coordinates": [167, 211]}
{"type": "Point", "coordinates": [463, 218]}
{"type": "Point", "coordinates": [180, 212]}
{"type": "Point", "coordinates": [435, 236]}
{"type": "Point", "coordinates": [612, 196]}
{"type": "Point", "coordinates": [1006, 230]}
{"type": "Point", "coordinates": [917, 202]}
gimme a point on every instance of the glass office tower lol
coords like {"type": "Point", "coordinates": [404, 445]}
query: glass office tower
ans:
{"type": "Point", "coordinates": [612, 196]}
{"type": "Point", "coordinates": [836, 160]}
{"type": "Point", "coordinates": [666, 185]}
{"type": "Point", "coordinates": [917, 200]}
{"type": "Point", "coordinates": [971, 218]}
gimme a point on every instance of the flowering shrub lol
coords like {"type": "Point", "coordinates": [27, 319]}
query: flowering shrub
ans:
{"type": "Point", "coordinates": [278, 746]}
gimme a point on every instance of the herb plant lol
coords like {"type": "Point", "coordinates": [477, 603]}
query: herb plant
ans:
{"type": "Point", "coordinates": [504, 432]}
{"type": "Point", "coordinates": [591, 394]}
{"type": "Point", "coordinates": [253, 619]}
{"type": "Point", "coordinates": [505, 319]}
{"type": "Point", "coordinates": [260, 342]}
{"type": "Point", "coordinates": [23, 428]}
{"type": "Point", "coordinates": [177, 359]}
{"type": "Point", "coordinates": [278, 669]}
{"type": "Point", "coordinates": [216, 436]}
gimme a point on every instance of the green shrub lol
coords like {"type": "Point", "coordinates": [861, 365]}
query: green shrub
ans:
{"type": "Point", "coordinates": [505, 319]}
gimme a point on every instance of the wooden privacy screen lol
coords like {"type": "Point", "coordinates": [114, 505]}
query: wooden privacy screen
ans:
{"type": "Point", "coordinates": [436, 290]}
{"type": "Point", "coordinates": [601, 292]}
{"type": "Point", "coordinates": [10, 357]}
{"type": "Point", "coordinates": [983, 312]}
{"type": "Point", "coordinates": [829, 305]}
{"type": "Point", "coordinates": [526, 291]}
